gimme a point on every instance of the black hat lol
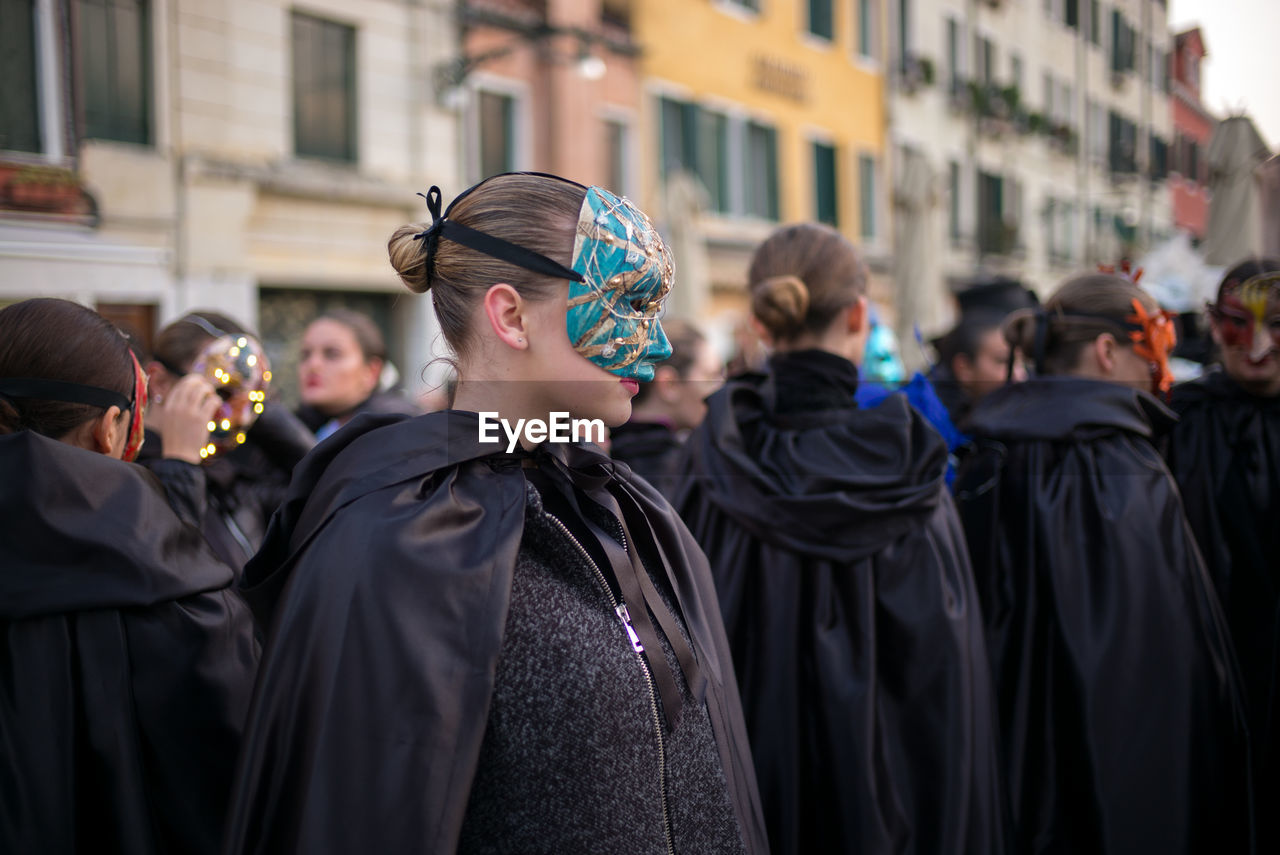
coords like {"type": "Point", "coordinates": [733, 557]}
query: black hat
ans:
{"type": "Point", "coordinates": [994, 295]}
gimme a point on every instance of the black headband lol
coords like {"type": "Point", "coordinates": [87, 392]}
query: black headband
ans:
{"type": "Point", "coordinates": [442, 226]}
{"type": "Point", "coordinates": [58, 390]}
{"type": "Point", "coordinates": [1041, 340]}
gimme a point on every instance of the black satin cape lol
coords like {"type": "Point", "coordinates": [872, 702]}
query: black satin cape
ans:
{"type": "Point", "coordinates": [385, 580]}
{"type": "Point", "coordinates": [126, 663]}
{"type": "Point", "coordinates": [1119, 696]}
{"type": "Point", "coordinates": [851, 613]}
{"type": "Point", "coordinates": [1225, 455]}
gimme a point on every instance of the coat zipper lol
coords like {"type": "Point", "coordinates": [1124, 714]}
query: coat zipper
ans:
{"type": "Point", "coordinates": [620, 609]}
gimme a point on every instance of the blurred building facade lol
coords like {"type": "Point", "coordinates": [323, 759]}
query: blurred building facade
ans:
{"type": "Point", "coordinates": [247, 155]}
{"type": "Point", "coordinates": [758, 112]}
{"type": "Point", "coordinates": [546, 85]}
{"type": "Point", "coordinates": [1045, 128]}
{"type": "Point", "coordinates": [1193, 126]}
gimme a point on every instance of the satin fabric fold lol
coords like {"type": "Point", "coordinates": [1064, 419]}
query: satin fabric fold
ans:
{"type": "Point", "coordinates": [126, 661]}
{"type": "Point", "coordinates": [1225, 455]}
{"type": "Point", "coordinates": [851, 613]}
{"type": "Point", "coordinates": [1119, 695]}
{"type": "Point", "coordinates": [385, 581]}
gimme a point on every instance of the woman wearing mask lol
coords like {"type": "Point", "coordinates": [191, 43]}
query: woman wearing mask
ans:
{"type": "Point", "coordinates": [1225, 454]}
{"type": "Point", "coordinates": [230, 486]}
{"type": "Point", "coordinates": [341, 369]}
{"type": "Point", "coordinates": [127, 660]}
{"type": "Point", "coordinates": [485, 645]}
{"type": "Point", "coordinates": [843, 580]}
{"type": "Point", "coordinates": [1117, 685]}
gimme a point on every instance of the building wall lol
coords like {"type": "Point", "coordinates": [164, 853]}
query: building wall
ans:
{"type": "Point", "coordinates": [1192, 124]}
{"type": "Point", "coordinates": [765, 67]}
{"type": "Point", "coordinates": [1056, 185]}
{"type": "Point", "coordinates": [532, 52]}
{"type": "Point", "coordinates": [1190, 194]}
{"type": "Point", "coordinates": [217, 205]}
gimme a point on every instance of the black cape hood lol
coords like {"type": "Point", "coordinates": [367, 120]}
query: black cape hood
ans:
{"type": "Point", "coordinates": [385, 580]}
{"type": "Point", "coordinates": [851, 612]}
{"type": "Point", "coordinates": [1119, 696]}
{"type": "Point", "coordinates": [127, 662]}
{"type": "Point", "coordinates": [836, 484]}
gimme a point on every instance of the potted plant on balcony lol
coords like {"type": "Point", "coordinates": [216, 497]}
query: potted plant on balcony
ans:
{"type": "Point", "coordinates": [42, 188]}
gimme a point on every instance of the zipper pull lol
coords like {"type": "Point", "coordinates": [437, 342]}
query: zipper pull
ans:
{"type": "Point", "coordinates": [625, 617]}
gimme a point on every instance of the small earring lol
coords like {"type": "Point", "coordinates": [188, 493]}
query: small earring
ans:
{"type": "Point", "coordinates": [520, 340]}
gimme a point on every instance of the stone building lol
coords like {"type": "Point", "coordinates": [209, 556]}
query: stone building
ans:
{"type": "Point", "coordinates": [247, 155]}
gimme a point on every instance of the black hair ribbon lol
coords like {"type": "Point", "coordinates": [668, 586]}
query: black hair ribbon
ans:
{"type": "Point", "coordinates": [442, 226]}
{"type": "Point", "coordinates": [58, 390]}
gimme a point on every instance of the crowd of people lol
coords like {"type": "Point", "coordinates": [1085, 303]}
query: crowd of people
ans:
{"type": "Point", "coordinates": [1028, 603]}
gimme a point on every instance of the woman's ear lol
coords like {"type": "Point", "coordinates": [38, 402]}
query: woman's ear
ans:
{"type": "Point", "coordinates": [504, 308]}
{"type": "Point", "coordinates": [109, 432]}
{"type": "Point", "coordinates": [1104, 351]}
{"type": "Point", "coordinates": [761, 331]}
{"type": "Point", "coordinates": [858, 316]}
{"type": "Point", "coordinates": [159, 382]}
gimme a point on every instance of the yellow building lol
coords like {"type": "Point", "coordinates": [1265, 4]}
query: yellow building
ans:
{"type": "Point", "coordinates": [778, 108]}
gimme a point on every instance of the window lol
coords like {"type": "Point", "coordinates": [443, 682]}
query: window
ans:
{"type": "Point", "coordinates": [984, 56]}
{"type": "Point", "coordinates": [713, 157]}
{"type": "Point", "coordinates": [1122, 144]}
{"type": "Point", "coordinates": [953, 56]}
{"type": "Point", "coordinates": [617, 146]}
{"type": "Point", "coordinates": [19, 105]}
{"type": "Point", "coordinates": [867, 195]}
{"type": "Point", "coordinates": [1071, 14]}
{"type": "Point", "coordinates": [1095, 22]}
{"type": "Point", "coordinates": [496, 115]}
{"type": "Point", "coordinates": [736, 160]}
{"type": "Point", "coordinates": [820, 15]}
{"type": "Point", "coordinates": [953, 202]}
{"type": "Point", "coordinates": [115, 69]}
{"type": "Point", "coordinates": [1015, 71]}
{"type": "Point", "coordinates": [324, 96]}
{"type": "Point", "coordinates": [1123, 43]}
{"type": "Point", "coordinates": [826, 192]}
{"type": "Point", "coordinates": [696, 140]}
{"type": "Point", "coordinates": [993, 236]}
{"type": "Point", "coordinates": [867, 29]}
{"type": "Point", "coordinates": [1158, 161]}
{"type": "Point", "coordinates": [761, 159]}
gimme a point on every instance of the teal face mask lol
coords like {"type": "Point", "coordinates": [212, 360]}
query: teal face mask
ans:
{"type": "Point", "coordinates": [627, 273]}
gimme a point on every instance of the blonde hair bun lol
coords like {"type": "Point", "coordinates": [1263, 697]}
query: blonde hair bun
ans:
{"type": "Point", "coordinates": [781, 303]}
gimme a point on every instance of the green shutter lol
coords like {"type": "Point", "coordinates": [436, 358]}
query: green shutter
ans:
{"type": "Point", "coordinates": [820, 23]}
{"type": "Point", "coordinates": [825, 188]}
{"type": "Point", "coordinates": [712, 166]}
{"type": "Point", "coordinates": [19, 114]}
{"type": "Point", "coordinates": [114, 38]}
